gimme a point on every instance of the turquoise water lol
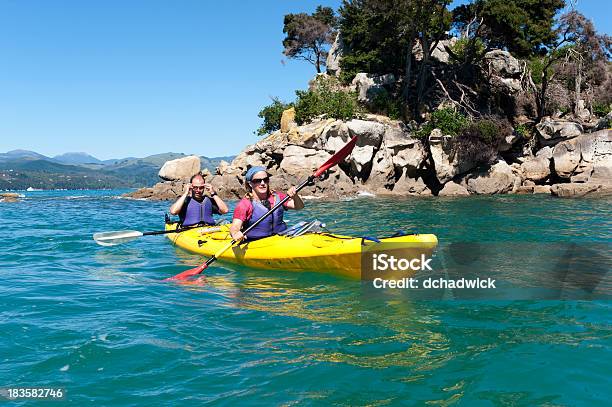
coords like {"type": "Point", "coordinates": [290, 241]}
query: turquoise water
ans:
{"type": "Point", "coordinates": [98, 321]}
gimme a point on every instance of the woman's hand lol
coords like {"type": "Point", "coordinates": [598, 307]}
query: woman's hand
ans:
{"type": "Point", "coordinates": [291, 192]}
{"type": "Point", "coordinates": [238, 236]}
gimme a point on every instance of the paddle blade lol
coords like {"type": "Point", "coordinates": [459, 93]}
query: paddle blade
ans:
{"type": "Point", "coordinates": [115, 238]}
{"type": "Point", "coordinates": [338, 157]}
{"type": "Point", "coordinates": [188, 273]}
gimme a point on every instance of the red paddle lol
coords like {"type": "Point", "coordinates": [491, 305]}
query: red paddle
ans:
{"type": "Point", "coordinates": [338, 157]}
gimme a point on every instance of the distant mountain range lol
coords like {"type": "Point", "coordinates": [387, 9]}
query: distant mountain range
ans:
{"type": "Point", "coordinates": [21, 169]}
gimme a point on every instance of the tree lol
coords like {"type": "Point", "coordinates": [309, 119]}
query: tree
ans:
{"type": "Point", "coordinates": [589, 55]}
{"type": "Point", "coordinates": [523, 27]}
{"type": "Point", "coordinates": [579, 56]}
{"type": "Point", "coordinates": [309, 35]}
{"type": "Point", "coordinates": [380, 36]}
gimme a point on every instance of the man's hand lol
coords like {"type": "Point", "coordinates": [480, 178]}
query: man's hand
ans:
{"type": "Point", "coordinates": [187, 189]}
{"type": "Point", "coordinates": [209, 189]}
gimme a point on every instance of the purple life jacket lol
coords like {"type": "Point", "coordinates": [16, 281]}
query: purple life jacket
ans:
{"type": "Point", "coordinates": [273, 224]}
{"type": "Point", "coordinates": [197, 212]}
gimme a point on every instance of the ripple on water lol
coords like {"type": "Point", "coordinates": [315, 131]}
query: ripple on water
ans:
{"type": "Point", "coordinates": [99, 321]}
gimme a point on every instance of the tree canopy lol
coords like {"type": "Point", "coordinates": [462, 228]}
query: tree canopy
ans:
{"type": "Point", "coordinates": [308, 35]}
{"type": "Point", "coordinates": [523, 27]}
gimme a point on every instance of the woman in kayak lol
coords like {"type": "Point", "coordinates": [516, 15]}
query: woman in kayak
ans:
{"type": "Point", "coordinates": [257, 203]}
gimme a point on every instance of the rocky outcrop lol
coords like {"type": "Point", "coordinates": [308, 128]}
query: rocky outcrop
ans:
{"type": "Point", "coordinates": [495, 179]}
{"type": "Point", "coordinates": [162, 191]}
{"type": "Point", "coordinates": [586, 158]}
{"type": "Point", "coordinates": [575, 190]}
{"type": "Point", "coordinates": [388, 160]}
{"type": "Point", "coordinates": [537, 168]}
{"type": "Point", "coordinates": [446, 157]}
{"type": "Point", "coordinates": [504, 71]}
{"type": "Point", "coordinates": [453, 189]}
{"type": "Point", "coordinates": [552, 131]}
{"type": "Point", "coordinates": [180, 169]}
{"type": "Point", "coordinates": [287, 121]}
{"type": "Point", "coordinates": [9, 197]}
{"type": "Point", "coordinates": [369, 86]}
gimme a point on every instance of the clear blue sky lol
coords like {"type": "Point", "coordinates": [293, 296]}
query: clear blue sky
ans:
{"type": "Point", "coordinates": [134, 78]}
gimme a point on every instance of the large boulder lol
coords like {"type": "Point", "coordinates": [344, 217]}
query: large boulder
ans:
{"type": "Point", "coordinates": [229, 186]}
{"type": "Point", "coordinates": [537, 168]}
{"type": "Point", "coordinates": [287, 121]}
{"type": "Point", "coordinates": [382, 174]}
{"type": "Point", "coordinates": [162, 191]}
{"type": "Point", "coordinates": [180, 169]}
{"type": "Point", "coordinates": [446, 157]}
{"type": "Point", "coordinates": [503, 64]}
{"type": "Point", "coordinates": [361, 161]}
{"type": "Point", "coordinates": [504, 71]}
{"type": "Point", "coordinates": [552, 131]}
{"type": "Point", "coordinates": [451, 188]}
{"type": "Point", "coordinates": [495, 179]}
{"type": "Point", "coordinates": [9, 197]}
{"type": "Point", "coordinates": [368, 85]}
{"type": "Point", "coordinates": [367, 132]}
{"type": "Point", "coordinates": [299, 160]}
{"type": "Point", "coordinates": [407, 185]}
{"type": "Point", "coordinates": [585, 158]}
{"type": "Point", "coordinates": [440, 52]}
{"type": "Point", "coordinates": [576, 190]}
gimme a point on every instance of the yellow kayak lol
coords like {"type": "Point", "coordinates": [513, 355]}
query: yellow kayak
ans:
{"type": "Point", "coordinates": [319, 252]}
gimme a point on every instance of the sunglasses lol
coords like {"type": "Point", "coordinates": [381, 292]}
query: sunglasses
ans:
{"type": "Point", "coordinates": [198, 188]}
{"type": "Point", "coordinates": [260, 180]}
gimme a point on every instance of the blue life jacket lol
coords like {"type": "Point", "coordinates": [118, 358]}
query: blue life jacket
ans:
{"type": "Point", "coordinates": [273, 224]}
{"type": "Point", "coordinates": [194, 212]}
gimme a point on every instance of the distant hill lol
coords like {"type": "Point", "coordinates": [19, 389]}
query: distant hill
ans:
{"type": "Point", "coordinates": [20, 169]}
{"type": "Point", "coordinates": [76, 158]}
{"type": "Point", "coordinates": [22, 155]}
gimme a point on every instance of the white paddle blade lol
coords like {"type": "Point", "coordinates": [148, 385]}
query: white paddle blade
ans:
{"type": "Point", "coordinates": [115, 238]}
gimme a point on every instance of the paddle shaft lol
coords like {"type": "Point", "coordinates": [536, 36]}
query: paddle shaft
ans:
{"type": "Point", "coordinates": [214, 257]}
{"type": "Point", "coordinates": [178, 230]}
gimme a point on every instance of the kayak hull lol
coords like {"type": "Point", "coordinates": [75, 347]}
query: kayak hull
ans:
{"type": "Point", "coordinates": [319, 252]}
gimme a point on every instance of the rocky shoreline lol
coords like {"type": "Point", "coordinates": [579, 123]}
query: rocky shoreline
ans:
{"type": "Point", "coordinates": [389, 160]}
{"type": "Point", "coordinates": [563, 155]}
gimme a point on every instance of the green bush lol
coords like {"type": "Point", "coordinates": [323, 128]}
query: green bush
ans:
{"type": "Point", "coordinates": [601, 109]}
{"type": "Point", "coordinates": [460, 49]}
{"type": "Point", "coordinates": [271, 115]}
{"type": "Point", "coordinates": [479, 141]}
{"type": "Point", "coordinates": [325, 98]}
{"type": "Point", "coordinates": [447, 119]}
{"type": "Point", "coordinates": [384, 103]}
{"type": "Point", "coordinates": [522, 130]}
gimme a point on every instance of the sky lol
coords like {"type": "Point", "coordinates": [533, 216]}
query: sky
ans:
{"type": "Point", "coordinates": [134, 78]}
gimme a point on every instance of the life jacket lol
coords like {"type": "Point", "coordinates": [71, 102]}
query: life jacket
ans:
{"type": "Point", "coordinates": [197, 212]}
{"type": "Point", "coordinates": [273, 224]}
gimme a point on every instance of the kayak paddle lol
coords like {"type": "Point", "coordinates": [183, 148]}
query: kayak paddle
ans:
{"type": "Point", "coordinates": [123, 236]}
{"type": "Point", "coordinates": [338, 157]}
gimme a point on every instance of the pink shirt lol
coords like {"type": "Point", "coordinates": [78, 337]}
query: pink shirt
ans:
{"type": "Point", "coordinates": [244, 209]}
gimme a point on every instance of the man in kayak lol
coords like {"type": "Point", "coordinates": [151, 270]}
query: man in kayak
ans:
{"type": "Point", "coordinates": [193, 207]}
{"type": "Point", "coordinates": [257, 203]}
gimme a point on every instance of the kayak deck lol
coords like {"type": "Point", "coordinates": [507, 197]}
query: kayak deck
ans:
{"type": "Point", "coordinates": [320, 252]}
